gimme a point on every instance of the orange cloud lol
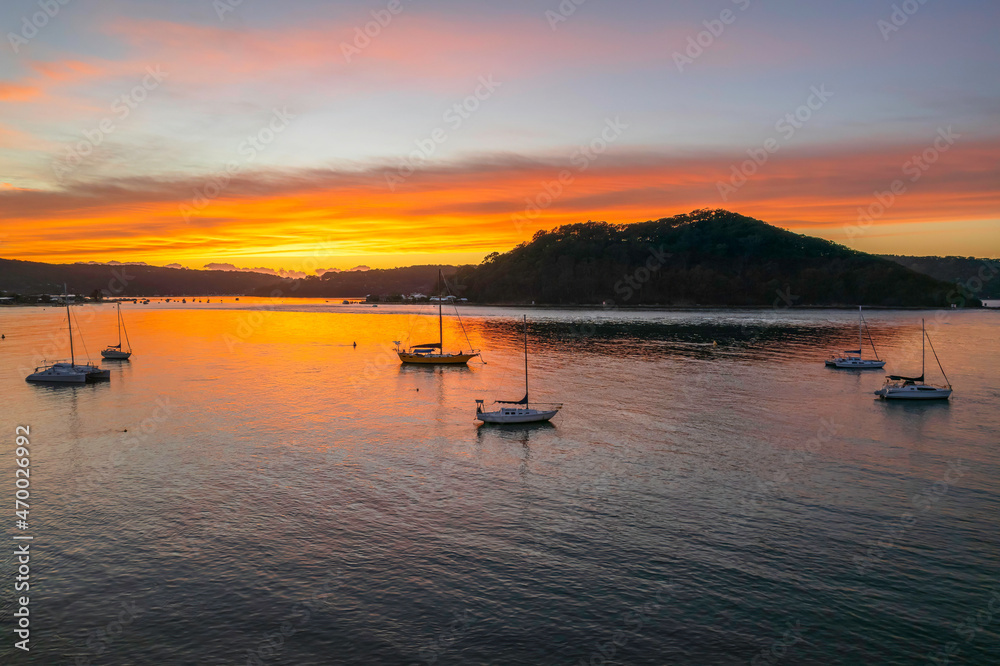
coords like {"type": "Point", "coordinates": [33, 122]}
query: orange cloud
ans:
{"type": "Point", "coordinates": [19, 92]}
{"type": "Point", "coordinates": [67, 70]}
{"type": "Point", "coordinates": [491, 204]}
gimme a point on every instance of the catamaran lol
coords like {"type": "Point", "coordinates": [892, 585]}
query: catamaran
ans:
{"type": "Point", "coordinates": [898, 387]}
{"type": "Point", "coordinates": [115, 352]}
{"type": "Point", "coordinates": [432, 353]}
{"type": "Point", "coordinates": [517, 414]}
{"type": "Point", "coordinates": [58, 373]}
{"type": "Point", "coordinates": [68, 373]}
{"type": "Point", "coordinates": [857, 362]}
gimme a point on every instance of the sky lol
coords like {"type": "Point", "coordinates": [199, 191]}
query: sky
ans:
{"type": "Point", "coordinates": [309, 135]}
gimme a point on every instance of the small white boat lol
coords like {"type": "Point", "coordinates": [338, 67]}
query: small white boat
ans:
{"type": "Point", "coordinates": [519, 411]}
{"type": "Point", "coordinates": [909, 390]}
{"type": "Point", "coordinates": [115, 352]}
{"type": "Point", "coordinates": [853, 362]}
{"type": "Point", "coordinates": [514, 414]}
{"type": "Point", "coordinates": [898, 387]}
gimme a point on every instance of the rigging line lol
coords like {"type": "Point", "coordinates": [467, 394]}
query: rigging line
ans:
{"type": "Point", "coordinates": [411, 320]}
{"type": "Point", "coordinates": [122, 321]}
{"type": "Point", "coordinates": [940, 367]}
{"type": "Point", "coordinates": [466, 334]}
{"type": "Point", "coordinates": [460, 323]}
{"type": "Point", "coordinates": [495, 387]}
{"type": "Point", "coordinates": [408, 333]}
{"type": "Point", "coordinates": [868, 331]}
{"type": "Point", "coordinates": [82, 341]}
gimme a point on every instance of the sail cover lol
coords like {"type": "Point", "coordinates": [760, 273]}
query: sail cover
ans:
{"type": "Point", "coordinates": [432, 345]}
{"type": "Point", "coordinates": [907, 379]}
{"type": "Point", "coordinates": [522, 401]}
{"type": "Point", "coordinates": [853, 351]}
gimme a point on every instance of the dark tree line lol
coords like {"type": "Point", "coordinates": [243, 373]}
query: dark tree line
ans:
{"type": "Point", "coordinates": [357, 284]}
{"type": "Point", "coordinates": [708, 257]}
{"type": "Point", "coordinates": [979, 277]}
{"type": "Point", "coordinates": [29, 277]}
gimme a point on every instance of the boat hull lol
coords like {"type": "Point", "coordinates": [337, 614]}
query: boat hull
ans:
{"type": "Point", "coordinates": [858, 364]}
{"type": "Point", "coordinates": [115, 355]}
{"type": "Point", "coordinates": [60, 373]}
{"type": "Point", "coordinates": [436, 359]}
{"type": "Point", "coordinates": [516, 416]}
{"type": "Point", "coordinates": [916, 392]}
{"type": "Point", "coordinates": [51, 378]}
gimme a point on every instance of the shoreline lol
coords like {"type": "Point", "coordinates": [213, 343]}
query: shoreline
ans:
{"type": "Point", "coordinates": [532, 306]}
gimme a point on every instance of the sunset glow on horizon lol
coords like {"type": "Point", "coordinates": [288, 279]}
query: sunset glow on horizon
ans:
{"type": "Point", "coordinates": [289, 137]}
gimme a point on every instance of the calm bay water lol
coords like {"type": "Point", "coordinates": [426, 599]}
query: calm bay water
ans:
{"type": "Point", "coordinates": [710, 493]}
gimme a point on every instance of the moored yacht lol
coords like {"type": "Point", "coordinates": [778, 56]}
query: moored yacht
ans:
{"type": "Point", "coordinates": [61, 372]}
{"type": "Point", "coordinates": [432, 353]}
{"type": "Point", "coordinates": [115, 352]}
{"type": "Point", "coordinates": [898, 387]}
{"type": "Point", "coordinates": [58, 373]}
{"type": "Point", "coordinates": [519, 411]}
{"type": "Point", "coordinates": [857, 362]}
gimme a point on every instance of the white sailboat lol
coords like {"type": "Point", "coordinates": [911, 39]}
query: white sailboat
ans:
{"type": "Point", "coordinates": [68, 373]}
{"type": "Point", "coordinates": [857, 362]}
{"type": "Point", "coordinates": [913, 388]}
{"type": "Point", "coordinates": [115, 352]}
{"type": "Point", "coordinates": [516, 413]}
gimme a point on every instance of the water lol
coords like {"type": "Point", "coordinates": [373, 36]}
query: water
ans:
{"type": "Point", "coordinates": [710, 493]}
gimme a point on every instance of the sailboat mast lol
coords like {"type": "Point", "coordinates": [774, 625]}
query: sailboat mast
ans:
{"type": "Point", "coordinates": [861, 344]}
{"type": "Point", "coordinates": [923, 348]}
{"type": "Point", "coordinates": [119, 325]}
{"type": "Point", "coordinates": [940, 367]}
{"type": "Point", "coordinates": [440, 319]}
{"type": "Point", "coordinates": [124, 330]}
{"type": "Point", "coordinates": [69, 323]}
{"type": "Point", "coordinates": [869, 333]}
{"type": "Point", "coordinates": [525, 361]}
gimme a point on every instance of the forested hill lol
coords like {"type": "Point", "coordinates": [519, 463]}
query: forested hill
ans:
{"type": "Point", "coordinates": [708, 257]}
{"type": "Point", "coordinates": [126, 280]}
{"type": "Point", "coordinates": [978, 277]}
{"type": "Point", "coordinates": [31, 277]}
